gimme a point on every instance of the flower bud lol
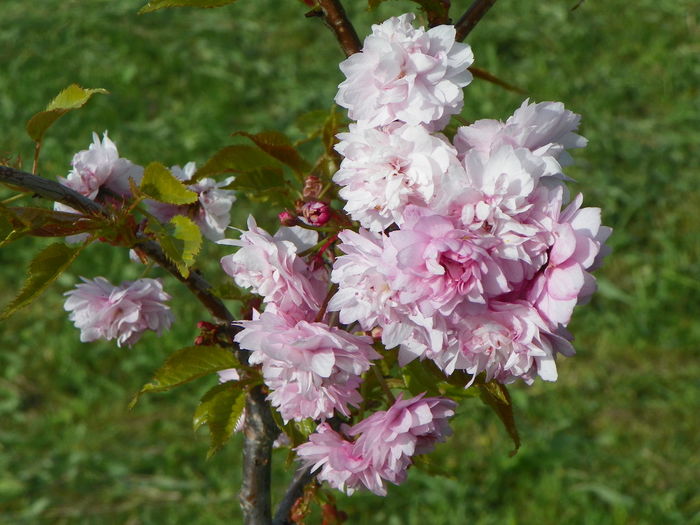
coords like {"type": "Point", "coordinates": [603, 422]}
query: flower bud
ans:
{"type": "Point", "coordinates": [287, 218]}
{"type": "Point", "coordinates": [316, 213]}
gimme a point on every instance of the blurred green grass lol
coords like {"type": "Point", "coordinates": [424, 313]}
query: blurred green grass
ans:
{"type": "Point", "coordinates": [612, 442]}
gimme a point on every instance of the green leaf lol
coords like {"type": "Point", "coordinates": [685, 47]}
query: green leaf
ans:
{"type": "Point", "coordinates": [496, 396]}
{"type": "Point", "coordinates": [311, 123]}
{"type": "Point", "coordinates": [160, 184]}
{"type": "Point", "coordinates": [264, 185]}
{"type": "Point", "coordinates": [190, 235]}
{"type": "Point", "coordinates": [73, 97]}
{"type": "Point", "coordinates": [419, 379]}
{"type": "Point", "coordinates": [181, 240]}
{"type": "Point", "coordinates": [43, 270]}
{"type": "Point", "coordinates": [187, 364]}
{"type": "Point", "coordinates": [220, 409]}
{"type": "Point", "coordinates": [306, 427]}
{"type": "Point", "coordinates": [258, 180]}
{"type": "Point", "coordinates": [297, 431]}
{"type": "Point", "coordinates": [277, 145]}
{"type": "Point", "coordinates": [239, 158]}
{"type": "Point", "coordinates": [154, 5]}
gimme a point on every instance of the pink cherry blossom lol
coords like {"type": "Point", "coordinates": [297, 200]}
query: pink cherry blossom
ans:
{"type": "Point", "coordinates": [388, 440]}
{"type": "Point", "coordinates": [579, 246]}
{"type": "Point", "coordinates": [270, 266]}
{"type": "Point", "coordinates": [547, 129]}
{"type": "Point", "coordinates": [441, 265]}
{"type": "Point", "coordinates": [104, 311]}
{"type": "Point", "coordinates": [101, 166]}
{"type": "Point", "coordinates": [407, 74]}
{"type": "Point", "coordinates": [312, 369]}
{"type": "Point", "coordinates": [387, 168]}
{"type": "Point", "coordinates": [369, 293]}
{"type": "Point", "coordinates": [364, 294]}
{"type": "Point", "coordinates": [330, 452]}
{"type": "Point", "coordinates": [507, 341]}
{"type": "Point", "coordinates": [505, 197]}
{"type": "Point", "coordinates": [386, 443]}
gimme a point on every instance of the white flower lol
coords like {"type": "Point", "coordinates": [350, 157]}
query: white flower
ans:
{"type": "Point", "coordinates": [100, 166]}
{"type": "Point", "coordinates": [406, 74]}
{"type": "Point", "coordinates": [388, 168]}
{"type": "Point", "coordinates": [546, 129]}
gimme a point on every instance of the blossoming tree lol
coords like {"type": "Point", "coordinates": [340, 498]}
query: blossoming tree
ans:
{"type": "Point", "coordinates": [421, 260]}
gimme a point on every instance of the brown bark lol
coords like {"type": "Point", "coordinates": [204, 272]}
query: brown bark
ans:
{"type": "Point", "coordinates": [472, 17]}
{"type": "Point", "coordinates": [294, 492]}
{"type": "Point", "coordinates": [260, 432]}
{"type": "Point", "coordinates": [337, 20]}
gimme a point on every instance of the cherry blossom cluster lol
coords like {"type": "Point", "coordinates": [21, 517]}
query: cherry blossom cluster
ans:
{"type": "Point", "coordinates": [466, 251]}
{"type": "Point", "coordinates": [314, 369]}
{"type": "Point", "coordinates": [468, 254]}
{"type": "Point", "coordinates": [384, 445]}
{"type": "Point", "coordinates": [99, 309]}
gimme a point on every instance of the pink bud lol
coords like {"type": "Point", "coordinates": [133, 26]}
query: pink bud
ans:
{"type": "Point", "coordinates": [287, 218]}
{"type": "Point", "coordinates": [316, 213]}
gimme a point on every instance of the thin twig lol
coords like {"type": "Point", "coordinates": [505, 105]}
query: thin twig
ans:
{"type": "Point", "coordinates": [485, 75]}
{"type": "Point", "coordinates": [337, 20]}
{"type": "Point", "coordinates": [322, 311]}
{"type": "Point", "coordinates": [471, 17]}
{"type": "Point", "coordinates": [294, 492]}
{"type": "Point", "coordinates": [37, 150]}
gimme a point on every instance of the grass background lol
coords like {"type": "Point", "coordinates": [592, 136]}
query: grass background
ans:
{"type": "Point", "coordinates": [614, 441]}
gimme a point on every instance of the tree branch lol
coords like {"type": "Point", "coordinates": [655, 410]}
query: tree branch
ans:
{"type": "Point", "coordinates": [50, 190]}
{"type": "Point", "coordinates": [260, 432]}
{"type": "Point", "coordinates": [294, 492]}
{"type": "Point", "coordinates": [59, 193]}
{"type": "Point", "coordinates": [472, 17]}
{"type": "Point", "coordinates": [337, 20]}
{"type": "Point", "coordinates": [439, 16]}
{"type": "Point", "coordinates": [260, 429]}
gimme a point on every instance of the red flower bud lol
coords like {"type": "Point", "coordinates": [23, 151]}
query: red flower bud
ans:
{"type": "Point", "coordinates": [316, 213]}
